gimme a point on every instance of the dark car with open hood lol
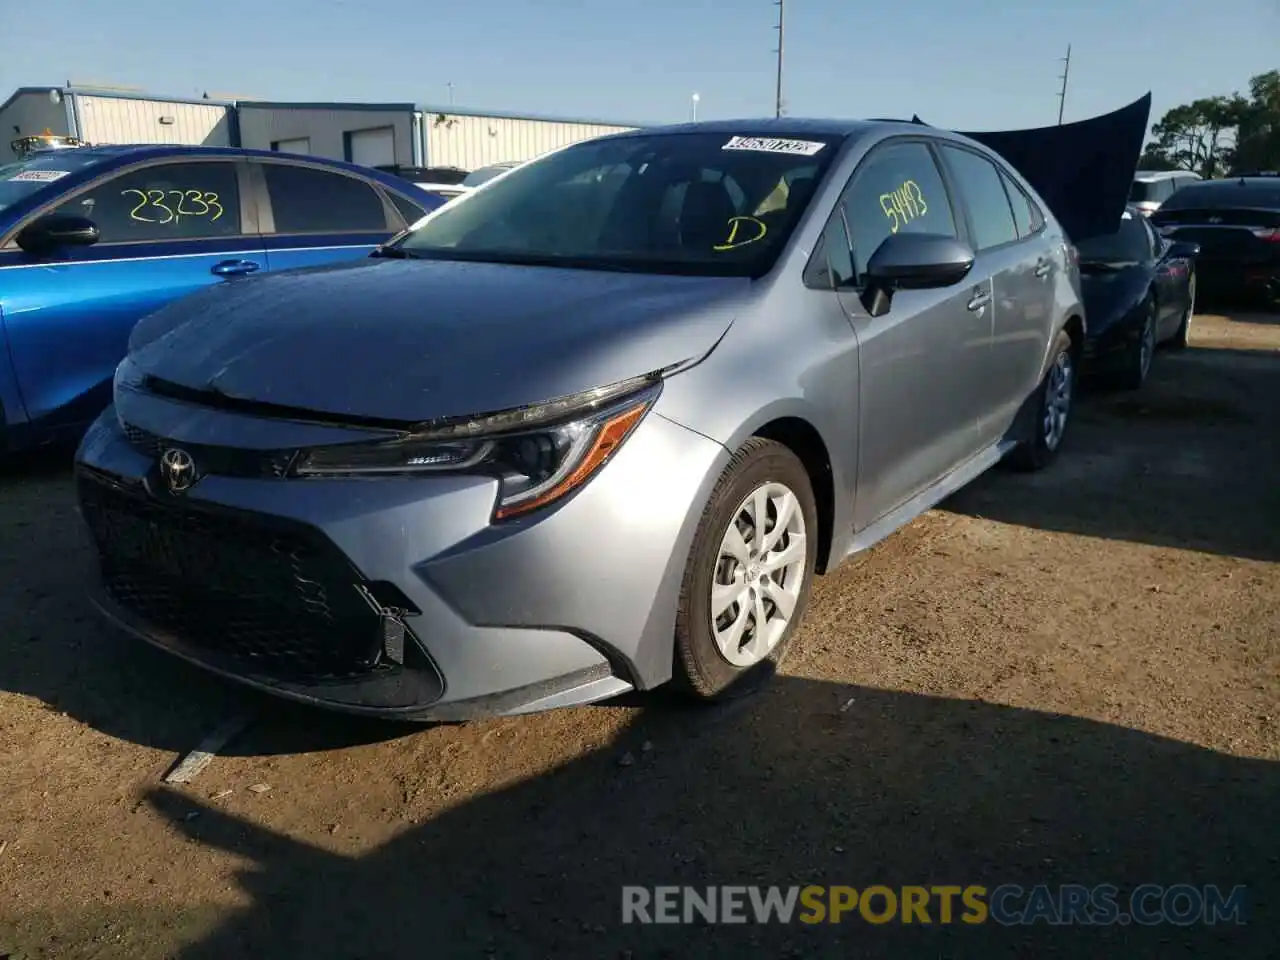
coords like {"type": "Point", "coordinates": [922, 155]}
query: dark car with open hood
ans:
{"type": "Point", "coordinates": [1139, 292]}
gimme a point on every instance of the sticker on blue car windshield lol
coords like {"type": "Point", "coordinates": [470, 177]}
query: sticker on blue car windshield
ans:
{"type": "Point", "coordinates": [39, 176]}
{"type": "Point", "coordinates": [798, 148]}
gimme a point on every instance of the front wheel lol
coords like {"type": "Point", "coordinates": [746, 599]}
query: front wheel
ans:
{"type": "Point", "coordinates": [1053, 409]}
{"type": "Point", "coordinates": [746, 584]}
{"type": "Point", "coordinates": [1136, 362]}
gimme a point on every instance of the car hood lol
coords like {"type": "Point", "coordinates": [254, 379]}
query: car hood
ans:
{"type": "Point", "coordinates": [415, 340]}
{"type": "Point", "coordinates": [1083, 170]}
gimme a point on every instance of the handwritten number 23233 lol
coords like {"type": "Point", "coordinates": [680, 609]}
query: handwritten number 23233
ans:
{"type": "Point", "coordinates": [903, 205]}
{"type": "Point", "coordinates": [169, 206]}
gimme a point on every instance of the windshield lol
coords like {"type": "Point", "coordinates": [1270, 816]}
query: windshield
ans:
{"type": "Point", "coordinates": [20, 180]}
{"type": "Point", "coordinates": [1130, 243]}
{"type": "Point", "coordinates": [706, 204]}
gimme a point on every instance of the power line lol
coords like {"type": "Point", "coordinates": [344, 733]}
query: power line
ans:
{"type": "Point", "coordinates": [1066, 72]}
{"type": "Point", "coordinates": [777, 110]}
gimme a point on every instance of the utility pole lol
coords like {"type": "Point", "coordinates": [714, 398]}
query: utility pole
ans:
{"type": "Point", "coordinates": [1066, 72]}
{"type": "Point", "coordinates": [777, 111]}
{"type": "Point", "coordinates": [450, 86]}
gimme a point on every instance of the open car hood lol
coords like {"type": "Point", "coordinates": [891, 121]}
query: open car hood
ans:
{"type": "Point", "coordinates": [1083, 170]}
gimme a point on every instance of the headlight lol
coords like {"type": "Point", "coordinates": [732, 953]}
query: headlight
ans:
{"type": "Point", "coordinates": [538, 453]}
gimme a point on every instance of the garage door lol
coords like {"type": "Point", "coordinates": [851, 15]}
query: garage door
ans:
{"type": "Point", "coordinates": [296, 145]}
{"type": "Point", "coordinates": [372, 148]}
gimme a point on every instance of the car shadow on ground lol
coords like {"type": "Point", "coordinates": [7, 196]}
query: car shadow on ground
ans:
{"type": "Point", "coordinates": [1187, 461]}
{"type": "Point", "coordinates": [805, 783]}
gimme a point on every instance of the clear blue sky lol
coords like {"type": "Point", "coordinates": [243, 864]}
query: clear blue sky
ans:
{"type": "Point", "coordinates": [980, 64]}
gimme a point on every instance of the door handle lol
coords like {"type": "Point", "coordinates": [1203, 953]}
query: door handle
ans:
{"type": "Point", "coordinates": [234, 268]}
{"type": "Point", "coordinates": [979, 300]}
{"type": "Point", "coordinates": [1042, 268]}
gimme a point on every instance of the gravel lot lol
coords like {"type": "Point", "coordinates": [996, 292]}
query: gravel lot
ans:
{"type": "Point", "coordinates": [1070, 677]}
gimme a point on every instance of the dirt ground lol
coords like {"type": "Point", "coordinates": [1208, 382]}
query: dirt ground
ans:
{"type": "Point", "coordinates": [1069, 677]}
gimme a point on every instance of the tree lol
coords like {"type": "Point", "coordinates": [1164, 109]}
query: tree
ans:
{"type": "Point", "coordinates": [1214, 135]}
{"type": "Point", "coordinates": [1199, 136]}
{"type": "Point", "coordinates": [1258, 136]}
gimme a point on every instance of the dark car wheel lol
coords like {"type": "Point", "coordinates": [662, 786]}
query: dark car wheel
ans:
{"type": "Point", "coordinates": [747, 581]}
{"type": "Point", "coordinates": [1135, 363]}
{"type": "Point", "coordinates": [1182, 339]}
{"type": "Point", "coordinates": [1055, 396]}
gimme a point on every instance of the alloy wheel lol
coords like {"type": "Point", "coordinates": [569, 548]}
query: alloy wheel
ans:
{"type": "Point", "coordinates": [1057, 398]}
{"type": "Point", "coordinates": [760, 571]}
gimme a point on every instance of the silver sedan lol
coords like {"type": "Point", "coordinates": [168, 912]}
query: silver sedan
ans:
{"type": "Point", "coordinates": [593, 427]}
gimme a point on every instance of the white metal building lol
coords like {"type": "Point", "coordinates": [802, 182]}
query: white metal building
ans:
{"type": "Point", "coordinates": [376, 134]}
{"type": "Point", "coordinates": [372, 134]}
{"type": "Point", "coordinates": [101, 115]}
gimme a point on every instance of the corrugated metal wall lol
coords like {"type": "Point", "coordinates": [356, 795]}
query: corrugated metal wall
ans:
{"type": "Point", "coordinates": [129, 120]}
{"type": "Point", "coordinates": [31, 114]}
{"type": "Point", "coordinates": [471, 142]}
{"type": "Point", "coordinates": [260, 126]}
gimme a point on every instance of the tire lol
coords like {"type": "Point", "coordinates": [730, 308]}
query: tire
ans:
{"type": "Point", "coordinates": [1182, 339]}
{"type": "Point", "coordinates": [1056, 392]}
{"type": "Point", "coordinates": [702, 667]}
{"type": "Point", "coordinates": [1135, 365]}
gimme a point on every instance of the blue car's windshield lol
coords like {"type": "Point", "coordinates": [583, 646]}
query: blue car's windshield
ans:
{"type": "Point", "coordinates": [21, 179]}
{"type": "Point", "coordinates": [710, 204]}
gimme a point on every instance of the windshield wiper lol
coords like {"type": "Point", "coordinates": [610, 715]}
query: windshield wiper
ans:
{"type": "Point", "coordinates": [392, 253]}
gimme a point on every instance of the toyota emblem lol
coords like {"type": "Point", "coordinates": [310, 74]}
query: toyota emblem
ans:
{"type": "Point", "coordinates": [178, 470]}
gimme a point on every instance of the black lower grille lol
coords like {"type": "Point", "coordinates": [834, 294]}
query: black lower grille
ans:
{"type": "Point", "coordinates": [281, 600]}
{"type": "Point", "coordinates": [222, 461]}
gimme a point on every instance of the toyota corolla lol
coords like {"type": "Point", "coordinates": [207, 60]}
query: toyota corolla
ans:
{"type": "Point", "coordinates": [591, 428]}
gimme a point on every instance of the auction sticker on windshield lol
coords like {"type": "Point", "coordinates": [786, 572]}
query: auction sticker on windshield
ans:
{"type": "Point", "coordinates": [39, 176]}
{"type": "Point", "coordinates": [799, 148]}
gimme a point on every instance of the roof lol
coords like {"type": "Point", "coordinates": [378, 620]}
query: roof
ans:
{"type": "Point", "coordinates": [434, 109]}
{"type": "Point", "coordinates": [110, 92]}
{"type": "Point", "coordinates": [787, 126]}
{"type": "Point", "coordinates": [1149, 175]}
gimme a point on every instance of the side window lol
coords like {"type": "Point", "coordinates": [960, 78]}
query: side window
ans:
{"type": "Point", "coordinates": [898, 188]}
{"type": "Point", "coordinates": [168, 201]}
{"type": "Point", "coordinates": [310, 200]}
{"type": "Point", "coordinates": [983, 189]}
{"type": "Point", "coordinates": [411, 212]}
{"type": "Point", "coordinates": [1026, 215]}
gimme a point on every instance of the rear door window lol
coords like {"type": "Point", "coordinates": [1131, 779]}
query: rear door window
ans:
{"type": "Point", "coordinates": [982, 186]}
{"type": "Point", "coordinates": [1026, 215]}
{"type": "Point", "coordinates": [311, 200]}
{"type": "Point", "coordinates": [165, 201]}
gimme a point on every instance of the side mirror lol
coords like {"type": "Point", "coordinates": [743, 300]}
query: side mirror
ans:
{"type": "Point", "coordinates": [54, 231]}
{"type": "Point", "coordinates": [914, 261]}
{"type": "Point", "coordinates": [1182, 249]}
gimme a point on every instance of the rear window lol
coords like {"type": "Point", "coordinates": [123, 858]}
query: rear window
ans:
{"type": "Point", "coordinates": [1228, 195]}
{"type": "Point", "coordinates": [1130, 243]}
{"type": "Point", "coordinates": [1144, 191]}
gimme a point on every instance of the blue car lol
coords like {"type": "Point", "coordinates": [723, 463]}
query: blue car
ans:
{"type": "Point", "coordinates": [93, 239]}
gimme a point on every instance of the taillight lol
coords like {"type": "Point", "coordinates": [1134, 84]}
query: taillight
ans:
{"type": "Point", "coordinates": [1269, 234]}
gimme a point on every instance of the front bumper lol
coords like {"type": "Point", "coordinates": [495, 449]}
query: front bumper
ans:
{"type": "Point", "coordinates": [392, 596]}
